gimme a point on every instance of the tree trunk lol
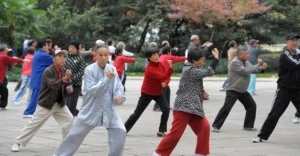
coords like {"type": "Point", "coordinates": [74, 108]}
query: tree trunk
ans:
{"type": "Point", "coordinates": [223, 48]}
{"type": "Point", "coordinates": [143, 36]}
{"type": "Point", "coordinates": [213, 33]}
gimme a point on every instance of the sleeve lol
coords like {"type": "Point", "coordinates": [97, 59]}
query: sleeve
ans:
{"type": "Point", "coordinates": [80, 73]}
{"type": "Point", "coordinates": [51, 81]}
{"type": "Point", "coordinates": [85, 53]}
{"type": "Point", "coordinates": [240, 69]}
{"type": "Point", "coordinates": [119, 90]}
{"type": "Point", "coordinates": [127, 53]}
{"type": "Point", "coordinates": [167, 81]}
{"type": "Point", "coordinates": [93, 87]}
{"type": "Point", "coordinates": [11, 60]}
{"type": "Point", "coordinates": [205, 50]}
{"type": "Point", "coordinates": [205, 72]}
{"type": "Point", "coordinates": [156, 75]}
{"type": "Point", "coordinates": [128, 59]}
{"type": "Point", "coordinates": [48, 60]}
{"type": "Point", "coordinates": [177, 59]}
{"type": "Point", "coordinates": [262, 51]}
{"type": "Point", "coordinates": [287, 63]}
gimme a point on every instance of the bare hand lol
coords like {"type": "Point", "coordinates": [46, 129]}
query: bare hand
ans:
{"type": "Point", "coordinates": [259, 61]}
{"type": "Point", "coordinates": [163, 84]}
{"type": "Point", "coordinates": [170, 63]}
{"type": "Point", "coordinates": [68, 74]}
{"type": "Point", "coordinates": [69, 89]}
{"type": "Point", "coordinates": [265, 65]}
{"type": "Point", "coordinates": [26, 60]}
{"type": "Point", "coordinates": [205, 95]}
{"type": "Point", "coordinates": [208, 44]}
{"type": "Point", "coordinates": [118, 99]}
{"type": "Point", "coordinates": [110, 74]}
{"type": "Point", "coordinates": [215, 52]}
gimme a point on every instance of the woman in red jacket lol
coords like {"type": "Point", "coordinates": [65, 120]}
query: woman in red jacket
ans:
{"type": "Point", "coordinates": [119, 63]}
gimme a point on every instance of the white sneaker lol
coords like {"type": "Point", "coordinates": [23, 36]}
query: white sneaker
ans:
{"type": "Point", "coordinates": [214, 129]}
{"type": "Point", "coordinates": [222, 89]}
{"type": "Point", "coordinates": [296, 120]}
{"type": "Point", "coordinates": [155, 154]}
{"type": "Point", "coordinates": [27, 116]}
{"type": "Point", "coordinates": [15, 103]}
{"type": "Point", "coordinates": [256, 140]}
{"type": "Point", "coordinates": [15, 147]}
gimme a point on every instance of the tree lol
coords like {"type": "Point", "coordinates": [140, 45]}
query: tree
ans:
{"type": "Point", "coordinates": [215, 12]}
{"type": "Point", "coordinates": [18, 19]}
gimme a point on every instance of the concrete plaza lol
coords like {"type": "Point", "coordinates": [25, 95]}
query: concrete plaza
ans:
{"type": "Point", "coordinates": [142, 140]}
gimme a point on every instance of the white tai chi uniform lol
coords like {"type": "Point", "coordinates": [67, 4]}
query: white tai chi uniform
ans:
{"type": "Point", "coordinates": [98, 109]}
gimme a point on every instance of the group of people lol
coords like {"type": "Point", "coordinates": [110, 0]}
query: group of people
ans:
{"type": "Point", "coordinates": [56, 81]}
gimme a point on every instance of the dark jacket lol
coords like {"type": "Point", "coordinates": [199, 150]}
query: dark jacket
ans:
{"type": "Point", "coordinates": [190, 93]}
{"type": "Point", "coordinates": [289, 70]}
{"type": "Point", "coordinates": [51, 84]}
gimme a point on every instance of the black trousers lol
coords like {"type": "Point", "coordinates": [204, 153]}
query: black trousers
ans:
{"type": "Point", "coordinates": [297, 114]}
{"type": "Point", "coordinates": [249, 105]}
{"type": "Point", "coordinates": [143, 102]}
{"type": "Point", "coordinates": [283, 97]}
{"type": "Point", "coordinates": [73, 99]}
{"type": "Point", "coordinates": [167, 94]}
{"type": "Point", "coordinates": [4, 96]}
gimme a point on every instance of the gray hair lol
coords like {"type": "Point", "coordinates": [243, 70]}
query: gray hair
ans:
{"type": "Point", "coordinates": [194, 37]}
{"type": "Point", "coordinates": [3, 47]}
{"type": "Point", "coordinates": [121, 45]}
{"type": "Point", "coordinates": [241, 49]}
{"type": "Point", "coordinates": [165, 44]}
{"type": "Point", "coordinates": [153, 45]}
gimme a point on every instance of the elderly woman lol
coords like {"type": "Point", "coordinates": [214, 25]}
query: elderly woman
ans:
{"type": "Point", "coordinates": [188, 108]}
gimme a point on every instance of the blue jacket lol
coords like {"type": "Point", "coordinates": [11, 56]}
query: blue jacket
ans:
{"type": "Point", "coordinates": [41, 60]}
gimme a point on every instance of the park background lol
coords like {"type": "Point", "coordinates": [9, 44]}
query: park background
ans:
{"type": "Point", "coordinates": [139, 22]}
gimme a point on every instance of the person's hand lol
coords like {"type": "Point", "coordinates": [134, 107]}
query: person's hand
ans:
{"type": "Point", "coordinates": [163, 84]}
{"type": "Point", "coordinates": [170, 63]}
{"type": "Point", "coordinates": [259, 61]}
{"type": "Point", "coordinates": [68, 74]}
{"type": "Point", "coordinates": [118, 99]}
{"type": "Point", "coordinates": [215, 52]}
{"type": "Point", "coordinates": [110, 74]}
{"type": "Point", "coordinates": [69, 89]}
{"type": "Point", "coordinates": [265, 65]}
{"type": "Point", "coordinates": [207, 44]}
{"type": "Point", "coordinates": [205, 95]}
{"type": "Point", "coordinates": [26, 60]}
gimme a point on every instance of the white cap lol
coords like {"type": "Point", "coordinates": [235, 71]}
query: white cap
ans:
{"type": "Point", "coordinates": [61, 51]}
{"type": "Point", "coordinates": [100, 42]}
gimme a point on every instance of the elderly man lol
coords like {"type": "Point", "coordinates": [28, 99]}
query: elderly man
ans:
{"type": "Point", "coordinates": [238, 81]}
{"type": "Point", "coordinates": [56, 83]}
{"type": "Point", "coordinates": [254, 52]}
{"type": "Point", "coordinates": [4, 61]}
{"type": "Point", "coordinates": [288, 87]}
{"type": "Point", "coordinates": [102, 91]}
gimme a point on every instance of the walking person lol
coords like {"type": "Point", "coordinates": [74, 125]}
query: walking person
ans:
{"type": "Point", "coordinates": [288, 87]}
{"type": "Point", "coordinates": [4, 61]}
{"type": "Point", "coordinates": [254, 52]}
{"type": "Point", "coordinates": [152, 89]}
{"type": "Point", "coordinates": [166, 55]}
{"type": "Point", "coordinates": [56, 83]}
{"type": "Point", "coordinates": [76, 64]}
{"type": "Point", "coordinates": [238, 81]}
{"type": "Point", "coordinates": [119, 62]}
{"type": "Point", "coordinates": [188, 107]}
{"type": "Point", "coordinates": [41, 60]}
{"type": "Point", "coordinates": [26, 76]}
{"type": "Point", "coordinates": [102, 91]}
{"type": "Point", "coordinates": [230, 54]}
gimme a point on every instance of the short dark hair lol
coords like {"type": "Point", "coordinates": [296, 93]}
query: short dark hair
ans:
{"type": "Point", "coordinates": [30, 42]}
{"type": "Point", "coordinates": [195, 55]}
{"type": "Point", "coordinates": [166, 50]}
{"type": "Point", "coordinates": [30, 50]}
{"type": "Point", "coordinates": [49, 40]}
{"type": "Point", "coordinates": [41, 43]}
{"type": "Point", "coordinates": [117, 52]}
{"type": "Point", "coordinates": [232, 43]}
{"type": "Point", "coordinates": [109, 42]}
{"type": "Point", "coordinates": [150, 51]}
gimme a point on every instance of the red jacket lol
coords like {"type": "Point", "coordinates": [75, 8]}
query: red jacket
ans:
{"type": "Point", "coordinates": [155, 74]}
{"type": "Point", "coordinates": [175, 59]}
{"type": "Point", "coordinates": [26, 70]}
{"type": "Point", "coordinates": [4, 61]}
{"type": "Point", "coordinates": [119, 63]}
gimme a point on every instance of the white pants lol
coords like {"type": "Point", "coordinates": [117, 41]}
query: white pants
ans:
{"type": "Point", "coordinates": [116, 139]}
{"type": "Point", "coordinates": [61, 114]}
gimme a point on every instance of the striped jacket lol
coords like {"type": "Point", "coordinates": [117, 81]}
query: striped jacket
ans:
{"type": "Point", "coordinates": [76, 64]}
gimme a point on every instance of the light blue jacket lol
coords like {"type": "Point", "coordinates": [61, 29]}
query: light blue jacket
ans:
{"type": "Point", "coordinates": [98, 108]}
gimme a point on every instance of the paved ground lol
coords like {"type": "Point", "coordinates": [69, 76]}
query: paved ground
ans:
{"type": "Point", "coordinates": [142, 140]}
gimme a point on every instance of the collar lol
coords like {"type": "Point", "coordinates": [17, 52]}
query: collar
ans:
{"type": "Point", "coordinates": [153, 63]}
{"type": "Point", "coordinates": [57, 68]}
{"type": "Point", "coordinates": [76, 54]}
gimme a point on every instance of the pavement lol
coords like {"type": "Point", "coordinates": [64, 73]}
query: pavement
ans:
{"type": "Point", "coordinates": [142, 140]}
